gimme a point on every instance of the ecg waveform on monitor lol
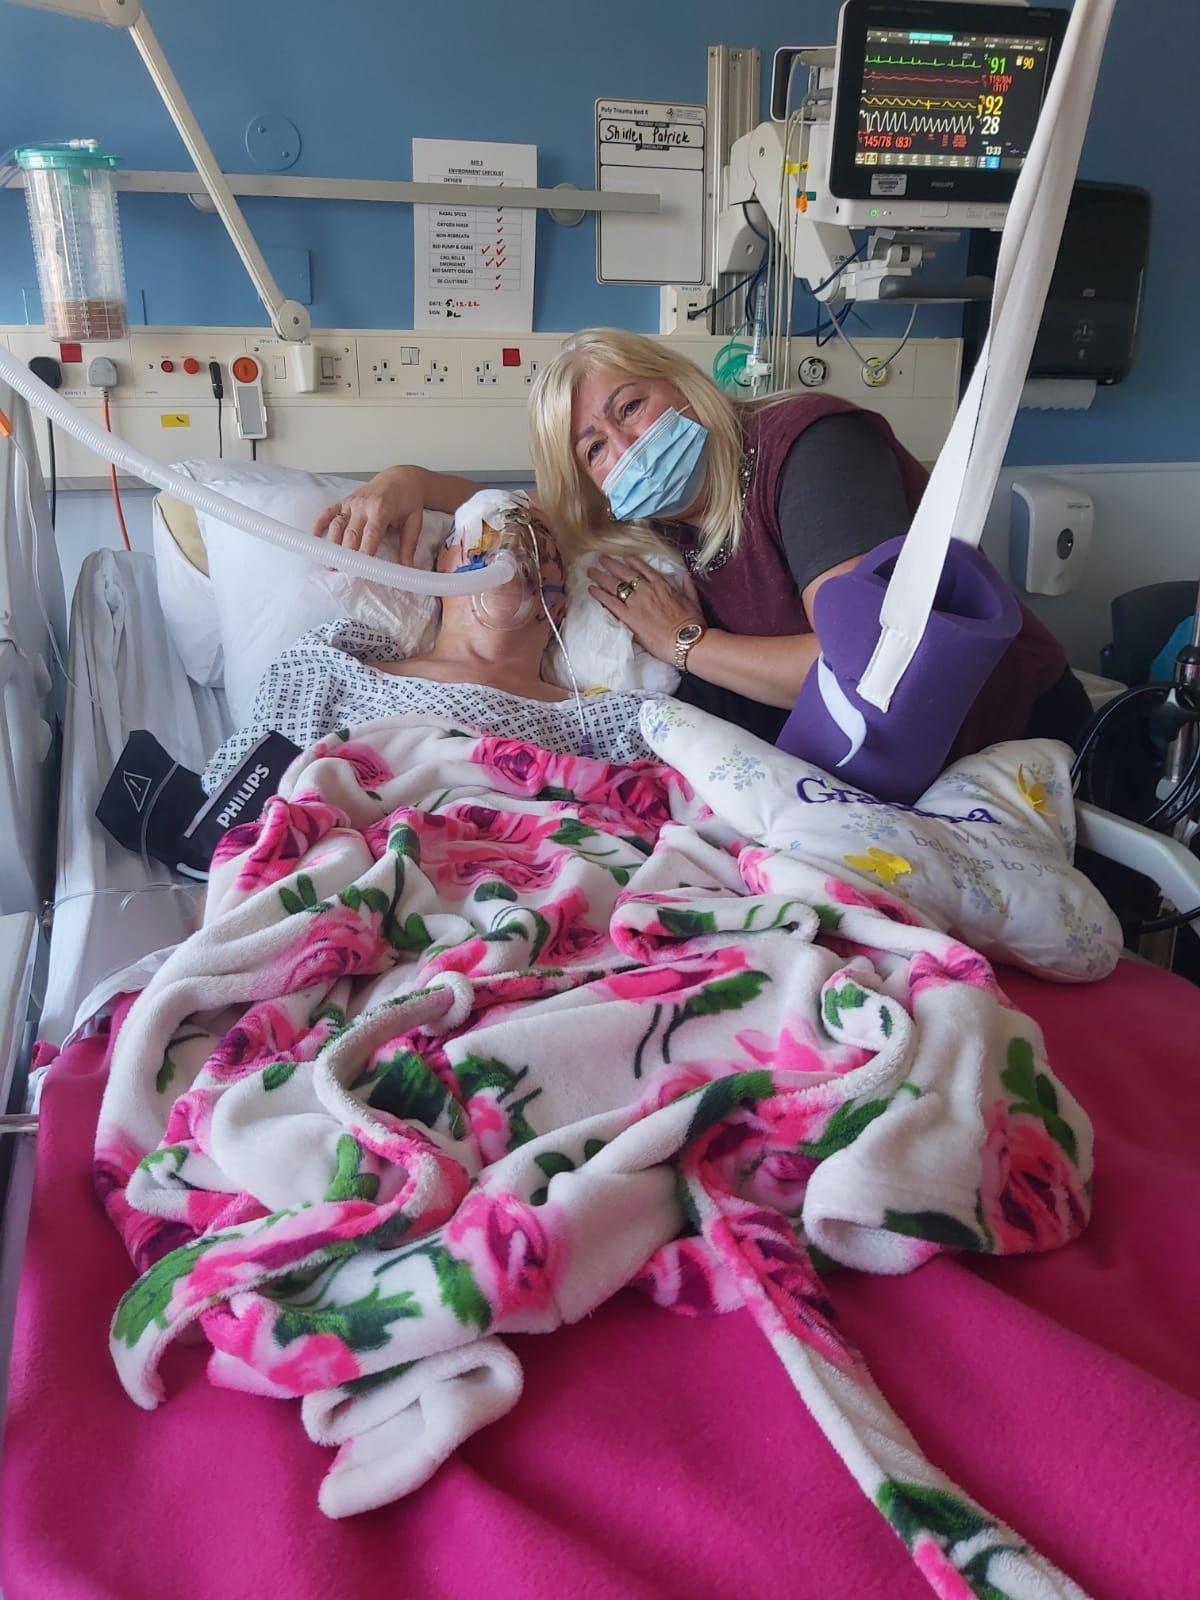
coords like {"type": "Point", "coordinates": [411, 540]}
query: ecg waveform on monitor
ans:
{"type": "Point", "coordinates": [930, 102]}
{"type": "Point", "coordinates": [908, 122]}
{"type": "Point", "coordinates": [922, 62]}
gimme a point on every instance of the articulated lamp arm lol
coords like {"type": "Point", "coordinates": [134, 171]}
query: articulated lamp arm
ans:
{"type": "Point", "coordinates": [288, 318]}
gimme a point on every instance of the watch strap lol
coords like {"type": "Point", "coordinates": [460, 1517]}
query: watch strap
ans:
{"type": "Point", "coordinates": [683, 648]}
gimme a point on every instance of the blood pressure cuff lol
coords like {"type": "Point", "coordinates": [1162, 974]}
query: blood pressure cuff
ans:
{"type": "Point", "coordinates": [155, 806]}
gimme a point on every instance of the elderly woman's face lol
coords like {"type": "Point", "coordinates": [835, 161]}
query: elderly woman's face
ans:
{"type": "Point", "coordinates": [453, 555]}
{"type": "Point", "coordinates": [610, 410]}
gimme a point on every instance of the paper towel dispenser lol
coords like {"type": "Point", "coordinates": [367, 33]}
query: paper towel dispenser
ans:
{"type": "Point", "coordinates": [1090, 322]}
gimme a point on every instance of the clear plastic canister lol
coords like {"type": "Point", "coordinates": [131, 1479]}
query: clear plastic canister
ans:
{"type": "Point", "coordinates": [76, 239]}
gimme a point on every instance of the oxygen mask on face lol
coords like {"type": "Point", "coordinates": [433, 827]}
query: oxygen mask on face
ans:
{"type": "Point", "coordinates": [525, 597]}
{"type": "Point", "coordinates": [493, 522]}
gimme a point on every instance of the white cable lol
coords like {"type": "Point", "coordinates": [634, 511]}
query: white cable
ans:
{"type": "Point", "coordinates": [587, 747]}
{"type": "Point", "coordinates": [112, 448]}
{"type": "Point", "coordinates": [130, 894]}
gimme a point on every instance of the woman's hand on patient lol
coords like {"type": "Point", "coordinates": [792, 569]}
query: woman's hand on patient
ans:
{"type": "Point", "coordinates": [655, 610]}
{"type": "Point", "coordinates": [394, 499]}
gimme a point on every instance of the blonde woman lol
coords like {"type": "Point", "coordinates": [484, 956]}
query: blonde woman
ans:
{"type": "Point", "coordinates": [636, 449]}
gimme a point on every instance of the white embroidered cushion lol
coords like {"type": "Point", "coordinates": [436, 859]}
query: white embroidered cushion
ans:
{"type": "Point", "coordinates": [986, 853]}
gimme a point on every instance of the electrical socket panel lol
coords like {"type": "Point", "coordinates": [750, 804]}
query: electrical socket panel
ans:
{"type": "Point", "coordinates": [676, 305]}
{"type": "Point", "coordinates": [337, 369]}
{"type": "Point", "coordinates": [409, 367]}
{"type": "Point", "coordinates": [500, 368]}
{"type": "Point", "coordinates": [75, 385]}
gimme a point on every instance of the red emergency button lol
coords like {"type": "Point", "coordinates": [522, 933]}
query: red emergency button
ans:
{"type": "Point", "coordinates": [190, 364]}
{"type": "Point", "coordinates": [167, 366]}
{"type": "Point", "coordinates": [510, 357]}
{"type": "Point", "coordinates": [245, 369]}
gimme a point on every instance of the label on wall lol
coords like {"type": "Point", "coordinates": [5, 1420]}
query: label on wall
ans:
{"type": "Point", "coordinates": [650, 148]}
{"type": "Point", "coordinates": [473, 265]}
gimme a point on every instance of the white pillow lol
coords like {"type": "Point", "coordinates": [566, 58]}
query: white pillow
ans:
{"type": "Point", "coordinates": [266, 597]}
{"type": "Point", "coordinates": [985, 854]}
{"type": "Point", "coordinates": [189, 607]}
{"type": "Point", "coordinates": [603, 651]}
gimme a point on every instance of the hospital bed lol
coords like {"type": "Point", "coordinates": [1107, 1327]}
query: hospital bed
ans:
{"type": "Point", "coordinates": [650, 1455]}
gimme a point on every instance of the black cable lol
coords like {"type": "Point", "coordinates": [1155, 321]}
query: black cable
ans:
{"type": "Point", "coordinates": [1105, 715]}
{"type": "Point", "coordinates": [837, 271]}
{"type": "Point", "coordinates": [700, 310]}
{"type": "Point", "coordinates": [254, 449]}
{"type": "Point", "coordinates": [53, 472]}
{"type": "Point", "coordinates": [217, 384]}
{"type": "Point", "coordinates": [1181, 919]}
{"type": "Point", "coordinates": [750, 225]}
{"type": "Point", "coordinates": [1180, 800]}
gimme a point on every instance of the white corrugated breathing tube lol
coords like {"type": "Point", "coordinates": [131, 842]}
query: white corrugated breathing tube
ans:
{"type": "Point", "coordinates": [302, 543]}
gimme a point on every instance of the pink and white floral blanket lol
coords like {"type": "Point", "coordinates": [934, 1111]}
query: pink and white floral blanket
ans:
{"type": "Point", "coordinates": [475, 1035]}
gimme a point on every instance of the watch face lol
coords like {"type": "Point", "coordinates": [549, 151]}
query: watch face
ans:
{"type": "Point", "coordinates": [689, 633]}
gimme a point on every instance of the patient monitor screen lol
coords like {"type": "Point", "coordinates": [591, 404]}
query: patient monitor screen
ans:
{"type": "Point", "coordinates": [949, 99]}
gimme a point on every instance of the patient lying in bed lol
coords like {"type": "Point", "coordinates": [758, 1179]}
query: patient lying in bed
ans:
{"type": "Point", "coordinates": [492, 678]}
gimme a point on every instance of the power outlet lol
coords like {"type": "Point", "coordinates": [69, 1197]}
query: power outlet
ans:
{"type": "Point", "coordinates": [502, 368]}
{"type": "Point", "coordinates": [683, 310]}
{"type": "Point", "coordinates": [409, 367]}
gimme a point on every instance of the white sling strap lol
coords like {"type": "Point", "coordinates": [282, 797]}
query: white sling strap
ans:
{"type": "Point", "coordinates": [960, 488]}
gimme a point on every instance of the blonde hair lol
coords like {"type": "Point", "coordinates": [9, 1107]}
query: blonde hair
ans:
{"type": "Point", "coordinates": [574, 506]}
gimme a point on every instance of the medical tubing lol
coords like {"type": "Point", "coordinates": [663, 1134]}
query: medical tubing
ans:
{"type": "Point", "coordinates": [110, 447]}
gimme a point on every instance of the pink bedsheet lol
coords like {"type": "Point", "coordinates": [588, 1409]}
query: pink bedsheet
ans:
{"type": "Point", "coordinates": [653, 1456]}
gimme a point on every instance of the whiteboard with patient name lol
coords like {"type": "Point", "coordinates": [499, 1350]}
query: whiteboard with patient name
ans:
{"type": "Point", "coordinates": [647, 147]}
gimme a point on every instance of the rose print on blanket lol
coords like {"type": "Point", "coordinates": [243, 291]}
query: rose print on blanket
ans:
{"type": "Point", "coordinates": [272, 846]}
{"type": "Point", "coordinates": [509, 1248]}
{"type": "Point", "coordinates": [371, 772]}
{"type": "Point", "coordinates": [933, 1522]}
{"type": "Point", "coordinates": [434, 1175]}
{"type": "Point", "coordinates": [1032, 1197]}
{"type": "Point", "coordinates": [264, 1032]}
{"type": "Point", "coordinates": [335, 945]}
{"type": "Point", "coordinates": [687, 1278]}
{"type": "Point", "coordinates": [953, 964]}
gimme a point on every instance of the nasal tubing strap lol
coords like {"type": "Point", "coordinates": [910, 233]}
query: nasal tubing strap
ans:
{"type": "Point", "coordinates": [111, 448]}
{"type": "Point", "coordinates": [963, 481]}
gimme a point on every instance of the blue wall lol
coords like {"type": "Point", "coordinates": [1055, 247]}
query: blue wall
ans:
{"type": "Point", "coordinates": [361, 77]}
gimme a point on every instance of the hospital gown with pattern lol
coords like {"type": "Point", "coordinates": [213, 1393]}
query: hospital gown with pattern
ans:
{"type": "Point", "coordinates": [330, 679]}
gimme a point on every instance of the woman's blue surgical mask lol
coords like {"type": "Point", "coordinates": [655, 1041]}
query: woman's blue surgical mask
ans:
{"type": "Point", "coordinates": [662, 471]}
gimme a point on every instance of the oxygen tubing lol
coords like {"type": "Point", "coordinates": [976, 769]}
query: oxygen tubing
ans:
{"type": "Point", "coordinates": [114, 449]}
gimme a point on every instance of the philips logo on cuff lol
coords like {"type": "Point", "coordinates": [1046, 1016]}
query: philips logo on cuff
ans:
{"type": "Point", "coordinates": [246, 790]}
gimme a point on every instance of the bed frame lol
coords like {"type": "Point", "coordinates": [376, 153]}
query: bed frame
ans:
{"type": "Point", "coordinates": [32, 700]}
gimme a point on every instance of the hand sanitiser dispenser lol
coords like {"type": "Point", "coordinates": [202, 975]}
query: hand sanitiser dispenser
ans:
{"type": "Point", "coordinates": [1050, 534]}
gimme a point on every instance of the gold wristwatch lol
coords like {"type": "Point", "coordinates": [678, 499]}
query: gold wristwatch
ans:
{"type": "Point", "coordinates": [686, 637]}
